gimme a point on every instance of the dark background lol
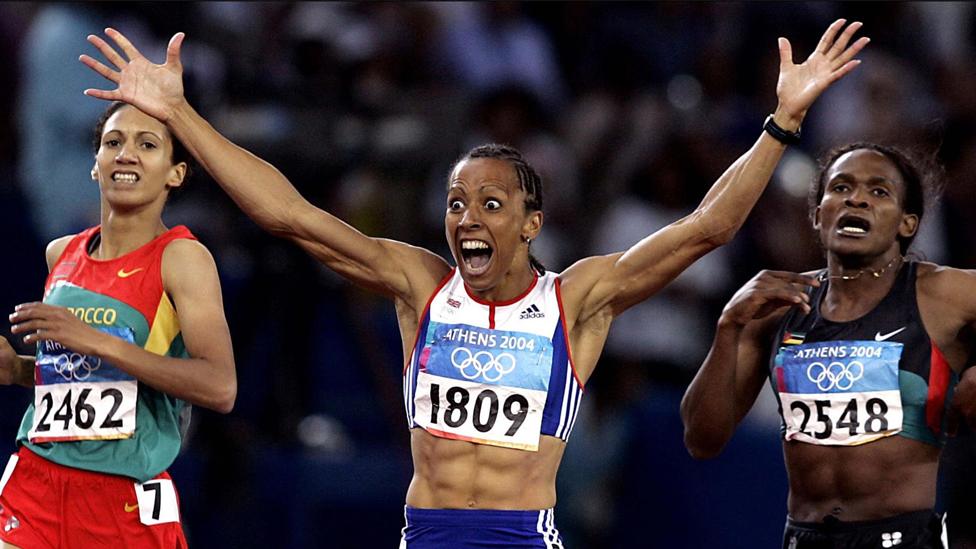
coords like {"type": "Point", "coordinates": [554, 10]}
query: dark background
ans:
{"type": "Point", "coordinates": [629, 110]}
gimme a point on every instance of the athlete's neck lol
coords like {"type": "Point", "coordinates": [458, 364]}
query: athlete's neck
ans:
{"type": "Point", "coordinates": [122, 234]}
{"type": "Point", "coordinates": [853, 292]}
{"type": "Point", "coordinates": [514, 284]}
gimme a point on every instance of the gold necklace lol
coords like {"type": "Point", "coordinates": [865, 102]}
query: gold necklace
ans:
{"type": "Point", "coordinates": [857, 275]}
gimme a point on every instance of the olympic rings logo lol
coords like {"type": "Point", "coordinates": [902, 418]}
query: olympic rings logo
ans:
{"type": "Point", "coordinates": [76, 365]}
{"type": "Point", "coordinates": [835, 374]}
{"type": "Point", "coordinates": [490, 367]}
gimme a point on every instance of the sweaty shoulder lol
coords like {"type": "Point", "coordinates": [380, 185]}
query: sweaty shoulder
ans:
{"type": "Point", "coordinates": [184, 259]}
{"type": "Point", "coordinates": [423, 270]}
{"type": "Point", "coordinates": [182, 249]}
{"type": "Point", "coordinates": [948, 287]}
{"type": "Point", "coordinates": [55, 248]}
{"type": "Point", "coordinates": [947, 303]}
{"type": "Point", "coordinates": [577, 280]}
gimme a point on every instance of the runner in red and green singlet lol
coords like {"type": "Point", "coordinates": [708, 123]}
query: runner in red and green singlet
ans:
{"type": "Point", "coordinates": [130, 333]}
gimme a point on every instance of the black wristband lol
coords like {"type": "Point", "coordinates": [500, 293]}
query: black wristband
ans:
{"type": "Point", "coordinates": [779, 134]}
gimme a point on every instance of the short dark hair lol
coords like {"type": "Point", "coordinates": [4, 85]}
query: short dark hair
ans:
{"type": "Point", "coordinates": [921, 173]}
{"type": "Point", "coordinates": [179, 154]}
{"type": "Point", "coordinates": [529, 180]}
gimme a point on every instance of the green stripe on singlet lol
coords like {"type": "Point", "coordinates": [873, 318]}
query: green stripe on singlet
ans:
{"type": "Point", "coordinates": [158, 434]}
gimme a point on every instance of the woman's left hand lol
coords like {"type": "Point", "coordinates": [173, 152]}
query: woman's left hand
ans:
{"type": "Point", "coordinates": [43, 322]}
{"type": "Point", "coordinates": [800, 85]}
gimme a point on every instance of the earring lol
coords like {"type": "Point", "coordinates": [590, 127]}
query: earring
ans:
{"type": "Point", "coordinates": [527, 240]}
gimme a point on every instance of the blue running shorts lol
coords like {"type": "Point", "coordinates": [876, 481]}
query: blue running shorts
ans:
{"type": "Point", "coordinates": [479, 529]}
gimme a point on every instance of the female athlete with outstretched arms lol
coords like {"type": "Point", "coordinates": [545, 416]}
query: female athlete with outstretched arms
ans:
{"type": "Point", "coordinates": [497, 350]}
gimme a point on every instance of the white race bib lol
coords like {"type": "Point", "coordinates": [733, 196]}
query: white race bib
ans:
{"type": "Point", "coordinates": [482, 385]}
{"type": "Point", "coordinates": [81, 397]}
{"type": "Point", "coordinates": [476, 412]}
{"type": "Point", "coordinates": [840, 393]}
{"type": "Point", "coordinates": [157, 502]}
{"type": "Point", "coordinates": [84, 411]}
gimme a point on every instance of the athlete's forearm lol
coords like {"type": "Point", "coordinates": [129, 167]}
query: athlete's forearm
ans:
{"type": "Point", "coordinates": [199, 381]}
{"type": "Point", "coordinates": [24, 371]}
{"type": "Point", "coordinates": [267, 197]}
{"type": "Point", "coordinates": [259, 188]}
{"type": "Point", "coordinates": [728, 202]}
{"type": "Point", "coordinates": [625, 279]}
{"type": "Point", "coordinates": [708, 408]}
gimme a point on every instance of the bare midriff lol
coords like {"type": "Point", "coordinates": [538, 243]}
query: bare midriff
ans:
{"type": "Point", "coordinates": [872, 481]}
{"type": "Point", "coordinates": [454, 474]}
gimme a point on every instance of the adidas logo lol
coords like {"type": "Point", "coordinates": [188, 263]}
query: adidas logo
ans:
{"type": "Point", "coordinates": [532, 312]}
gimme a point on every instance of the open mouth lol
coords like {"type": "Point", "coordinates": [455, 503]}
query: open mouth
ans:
{"type": "Point", "coordinates": [476, 255]}
{"type": "Point", "coordinates": [853, 226]}
{"type": "Point", "coordinates": [125, 177]}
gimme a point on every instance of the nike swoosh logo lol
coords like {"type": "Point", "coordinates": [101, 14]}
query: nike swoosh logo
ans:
{"type": "Point", "coordinates": [126, 274]}
{"type": "Point", "coordinates": [131, 508]}
{"type": "Point", "coordinates": [879, 337]}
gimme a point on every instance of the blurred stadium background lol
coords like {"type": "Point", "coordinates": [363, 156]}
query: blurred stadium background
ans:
{"type": "Point", "coordinates": [629, 110]}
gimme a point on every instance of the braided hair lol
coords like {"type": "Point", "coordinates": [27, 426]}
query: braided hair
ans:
{"type": "Point", "coordinates": [528, 178]}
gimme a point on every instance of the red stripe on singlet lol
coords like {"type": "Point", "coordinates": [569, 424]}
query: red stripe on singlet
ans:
{"type": "Point", "coordinates": [939, 374]}
{"type": "Point", "coordinates": [562, 322]}
{"type": "Point", "coordinates": [422, 317]}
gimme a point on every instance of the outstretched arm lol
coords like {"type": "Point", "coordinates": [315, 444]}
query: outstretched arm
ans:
{"type": "Point", "coordinates": [732, 375]}
{"type": "Point", "coordinates": [607, 285]}
{"type": "Point", "coordinates": [266, 196]}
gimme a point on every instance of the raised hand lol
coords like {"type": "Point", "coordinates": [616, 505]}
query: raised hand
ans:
{"type": "Point", "coordinates": [154, 89]}
{"type": "Point", "coordinates": [800, 85]}
{"type": "Point", "coordinates": [765, 293]}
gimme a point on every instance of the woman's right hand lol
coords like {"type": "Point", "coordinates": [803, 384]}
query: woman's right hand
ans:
{"type": "Point", "coordinates": [154, 89]}
{"type": "Point", "coordinates": [765, 293]}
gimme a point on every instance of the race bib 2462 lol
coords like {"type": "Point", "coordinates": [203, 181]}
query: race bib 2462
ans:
{"type": "Point", "coordinates": [80, 397]}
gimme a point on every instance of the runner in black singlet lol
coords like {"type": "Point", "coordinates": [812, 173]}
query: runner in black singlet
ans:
{"type": "Point", "coordinates": [863, 357]}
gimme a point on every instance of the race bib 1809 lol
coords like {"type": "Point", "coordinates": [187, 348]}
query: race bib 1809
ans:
{"type": "Point", "coordinates": [80, 397]}
{"type": "Point", "coordinates": [840, 392]}
{"type": "Point", "coordinates": [483, 386]}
